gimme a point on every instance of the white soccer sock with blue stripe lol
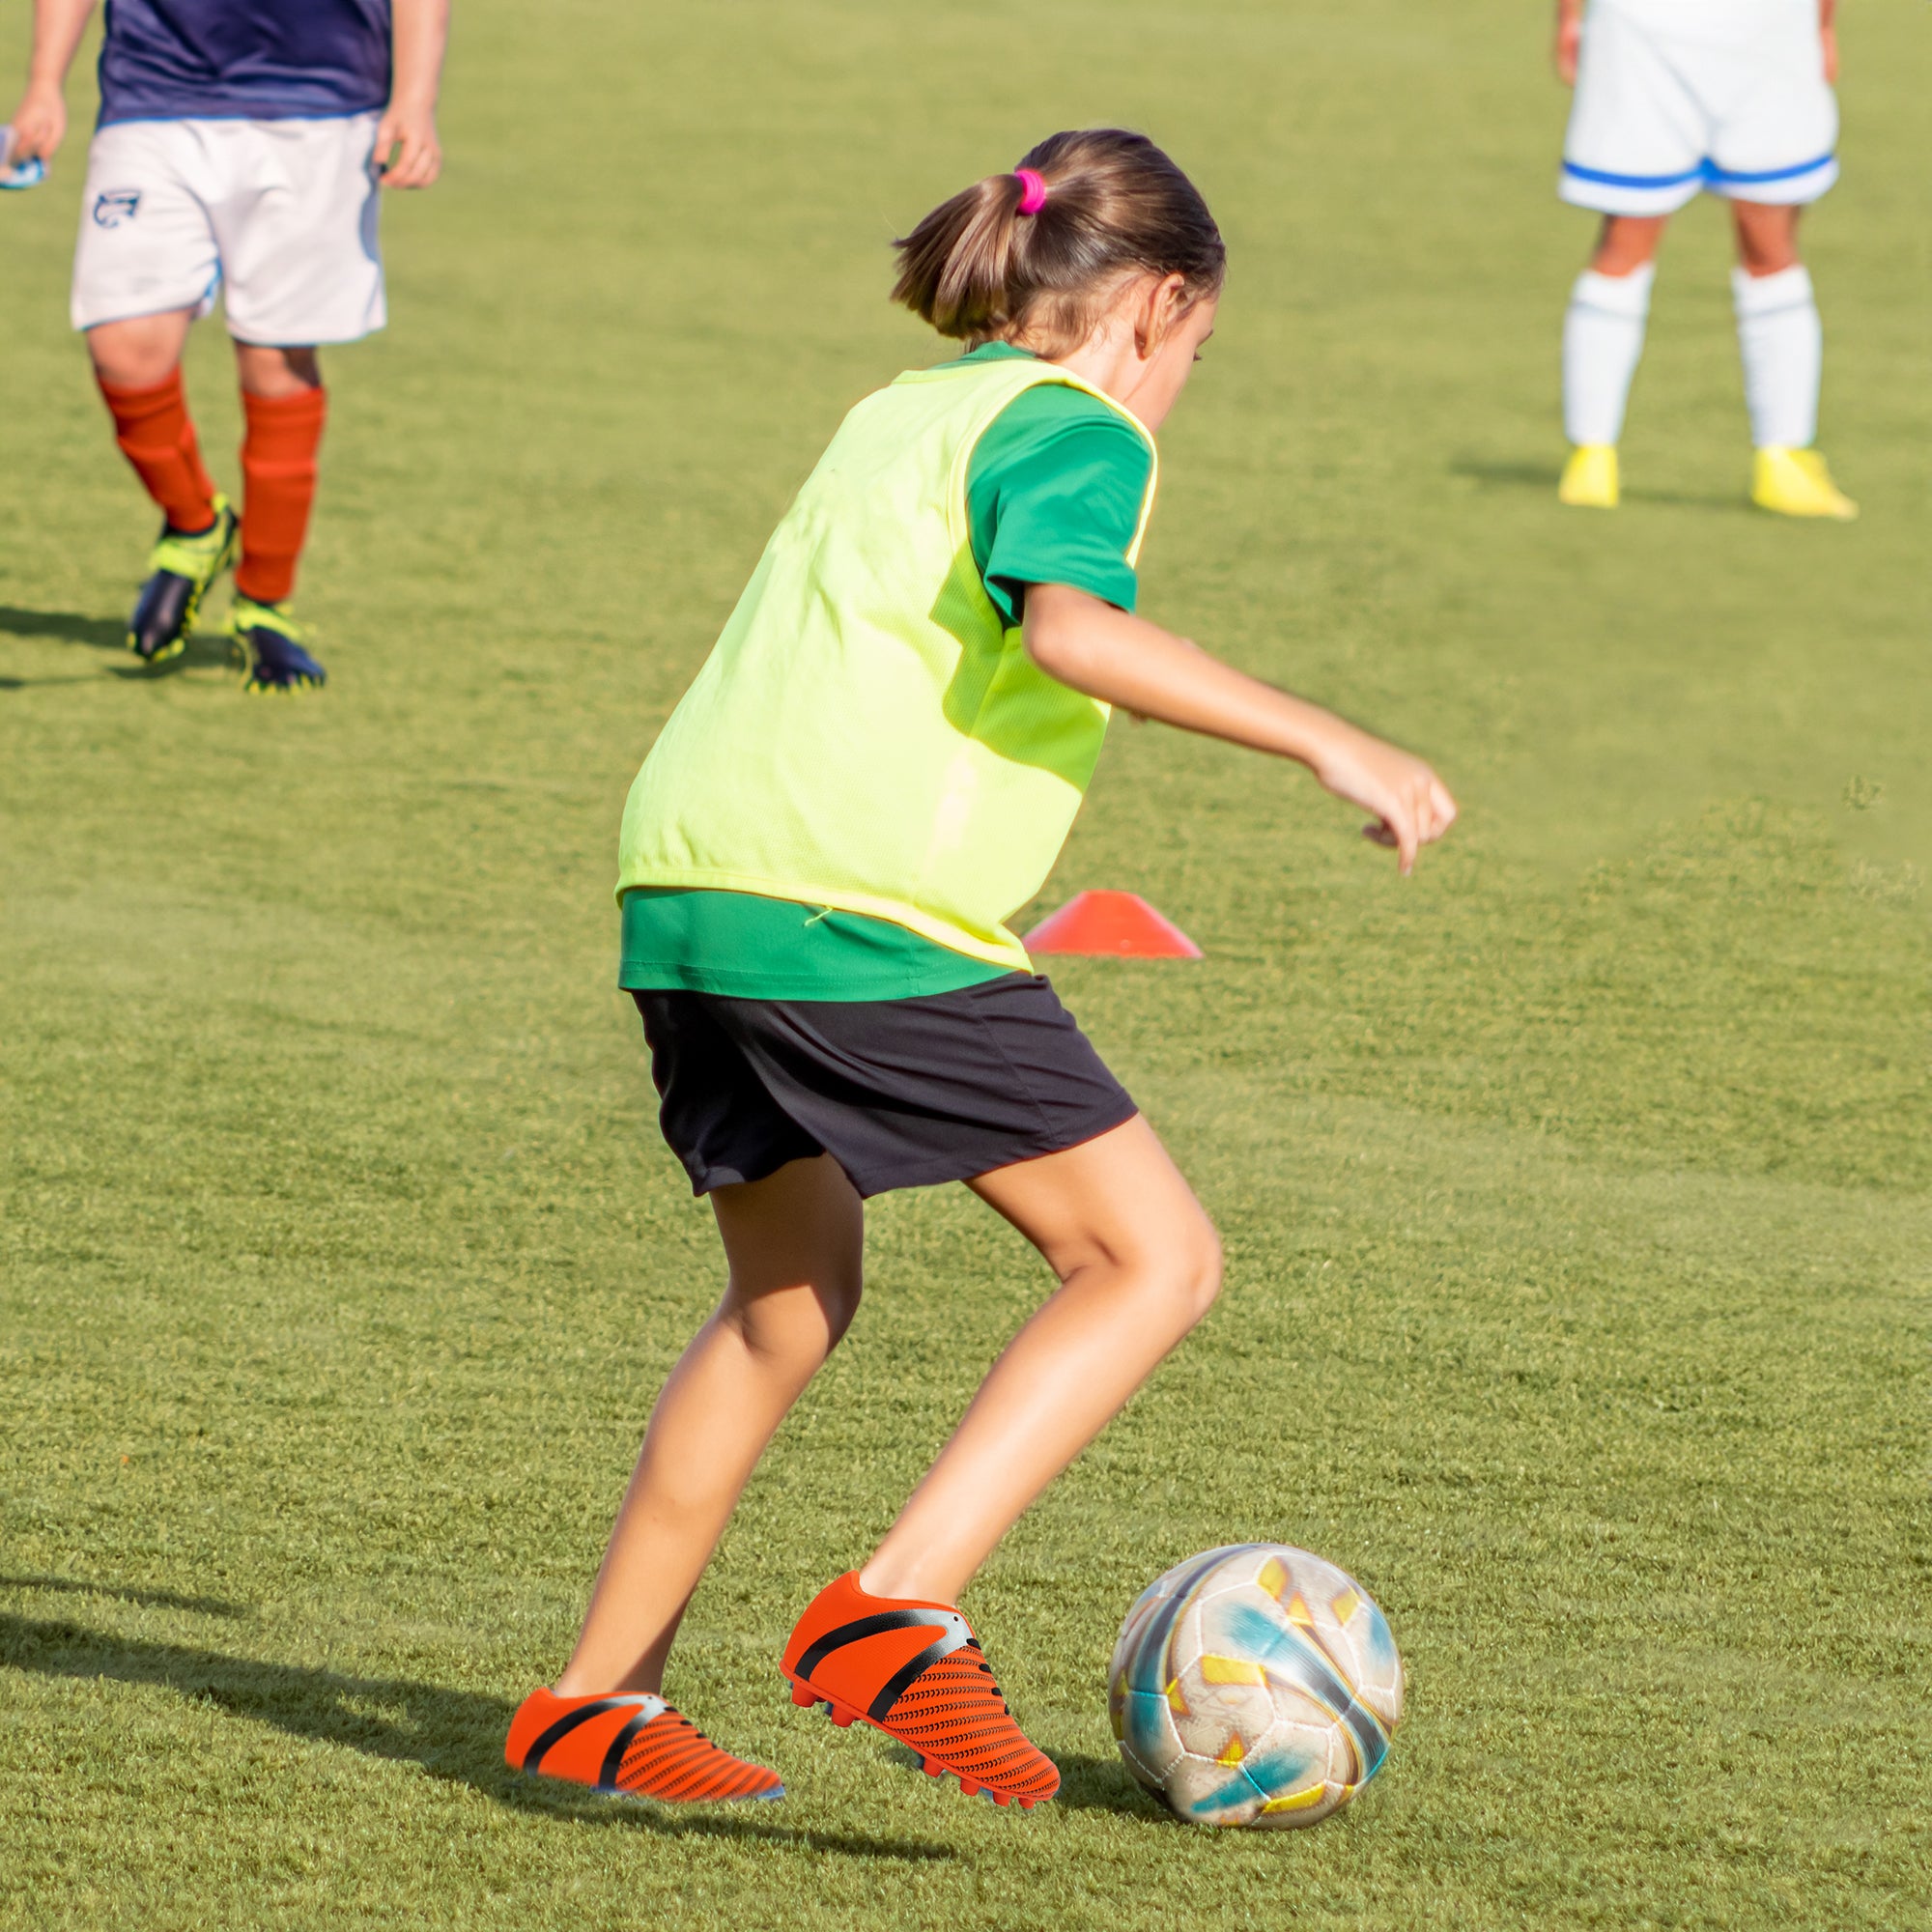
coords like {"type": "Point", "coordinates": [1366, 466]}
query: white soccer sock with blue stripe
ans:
{"type": "Point", "coordinates": [1782, 342]}
{"type": "Point", "coordinates": [1603, 342]}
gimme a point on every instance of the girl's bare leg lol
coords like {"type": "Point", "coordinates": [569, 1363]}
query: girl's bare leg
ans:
{"type": "Point", "coordinates": [1139, 1264]}
{"type": "Point", "coordinates": [793, 1242]}
{"type": "Point", "coordinates": [1625, 243]}
{"type": "Point", "coordinates": [277, 372]}
{"type": "Point", "coordinates": [1766, 237]}
{"type": "Point", "coordinates": [140, 351]}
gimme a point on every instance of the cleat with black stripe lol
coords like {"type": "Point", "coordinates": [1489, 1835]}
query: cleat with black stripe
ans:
{"type": "Point", "coordinates": [630, 1746]}
{"type": "Point", "coordinates": [182, 566]}
{"type": "Point", "coordinates": [914, 1670]}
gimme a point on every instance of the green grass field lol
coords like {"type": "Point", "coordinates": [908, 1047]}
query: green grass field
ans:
{"type": "Point", "coordinates": [1575, 1192]}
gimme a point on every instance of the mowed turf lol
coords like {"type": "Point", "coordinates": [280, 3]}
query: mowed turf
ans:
{"type": "Point", "coordinates": [1574, 1191]}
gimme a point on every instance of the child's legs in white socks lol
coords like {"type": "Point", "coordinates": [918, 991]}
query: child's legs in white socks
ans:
{"type": "Point", "coordinates": [1780, 337]}
{"type": "Point", "coordinates": [1782, 344]}
{"type": "Point", "coordinates": [1602, 341]}
{"type": "Point", "coordinates": [1603, 334]}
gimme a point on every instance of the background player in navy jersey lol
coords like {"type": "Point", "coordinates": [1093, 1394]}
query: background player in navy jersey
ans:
{"type": "Point", "coordinates": [239, 152]}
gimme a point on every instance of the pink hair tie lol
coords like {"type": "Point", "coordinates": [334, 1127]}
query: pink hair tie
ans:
{"type": "Point", "coordinates": [1032, 191]}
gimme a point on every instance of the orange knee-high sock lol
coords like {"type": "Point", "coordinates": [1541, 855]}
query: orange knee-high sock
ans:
{"type": "Point", "coordinates": [156, 436]}
{"type": "Point", "coordinates": [279, 477]}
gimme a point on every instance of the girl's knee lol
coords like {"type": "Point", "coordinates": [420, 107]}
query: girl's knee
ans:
{"type": "Point", "coordinates": [1183, 1276]}
{"type": "Point", "coordinates": [839, 1301]}
{"type": "Point", "coordinates": [791, 1324]}
{"type": "Point", "coordinates": [1199, 1274]}
{"type": "Point", "coordinates": [1172, 1263]}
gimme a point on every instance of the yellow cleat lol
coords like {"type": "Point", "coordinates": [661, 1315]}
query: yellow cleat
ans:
{"type": "Point", "coordinates": [1590, 477]}
{"type": "Point", "coordinates": [1796, 483]}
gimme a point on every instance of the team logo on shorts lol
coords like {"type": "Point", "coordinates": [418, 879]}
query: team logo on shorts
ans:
{"type": "Point", "coordinates": [115, 204]}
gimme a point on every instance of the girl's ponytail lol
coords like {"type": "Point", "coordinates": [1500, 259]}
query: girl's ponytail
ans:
{"type": "Point", "coordinates": [1041, 252]}
{"type": "Point", "coordinates": [956, 266]}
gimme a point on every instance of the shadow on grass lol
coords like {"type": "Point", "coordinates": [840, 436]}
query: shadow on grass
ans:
{"type": "Point", "coordinates": [456, 1736]}
{"type": "Point", "coordinates": [204, 650]}
{"type": "Point", "coordinates": [34, 683]}
{"type": "Point", "coordinates": [105, 634]}
{"type": "Point", "coordinates": [1505, 475]}
{"type": "Point", "coordinates": [1104, 1784]}
{"type": "Point", "coordinates": [127, 1593]}
{"type": "Point", "coordinates": [1085, 1783]}
{"type": "Point", "coordinates": [1545, 476]}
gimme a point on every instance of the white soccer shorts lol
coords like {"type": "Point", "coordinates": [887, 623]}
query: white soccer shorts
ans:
{"type": "Point", "coordinates": [1676, 96]}
{"type": "Point", "coordinates": [276, 216]}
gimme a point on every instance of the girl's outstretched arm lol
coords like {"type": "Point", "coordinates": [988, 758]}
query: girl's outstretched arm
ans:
{"type": "Point", "coordinates": [1121, 660]}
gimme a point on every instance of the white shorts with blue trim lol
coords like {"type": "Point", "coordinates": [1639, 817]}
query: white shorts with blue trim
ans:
{"type": "Point", "coordinates": [277, 217]}
{"type": "Point", "coordinates": [1676, 96]}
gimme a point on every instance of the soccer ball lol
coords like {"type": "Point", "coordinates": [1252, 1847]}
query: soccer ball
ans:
{"type": "Point", "coordinates": [1254, 1684]}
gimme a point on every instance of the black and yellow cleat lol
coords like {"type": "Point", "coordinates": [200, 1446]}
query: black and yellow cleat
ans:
{"type": "Point", "coordinates": [181, 568]}
{"type": "Point", "coordinates": [270, 643]}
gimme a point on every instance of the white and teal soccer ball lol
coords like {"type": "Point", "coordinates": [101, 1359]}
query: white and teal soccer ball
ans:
{"type": "Point", "coordinates": [1254, 1684]}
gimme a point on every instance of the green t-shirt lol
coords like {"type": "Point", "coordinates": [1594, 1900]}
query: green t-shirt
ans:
{"type": "Point", "coordinates": [1053, 496]}
{"type": "Point", "coordinates": [754, 947]}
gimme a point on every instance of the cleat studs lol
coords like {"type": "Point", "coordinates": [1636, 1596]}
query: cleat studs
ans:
{"type": "Point", "coordinates": [802, 1697]}
{"type": "Point", "coordinates": [968, 1787]}
{"type": "Point", "coordinates": [999, 1798]}
{"type": "Point", "coordinates": [933, 1767]}
{"type": "Point", "coordinates": [843, 1719]}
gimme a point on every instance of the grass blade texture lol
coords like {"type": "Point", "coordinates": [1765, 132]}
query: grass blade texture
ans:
{"type": "Point", "coordinates": [1575, 1191]}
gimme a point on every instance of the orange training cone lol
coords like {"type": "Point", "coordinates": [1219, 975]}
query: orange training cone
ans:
{"type": "Point", "coordinates": [1115, 925]}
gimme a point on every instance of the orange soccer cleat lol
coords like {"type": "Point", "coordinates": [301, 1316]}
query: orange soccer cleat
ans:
{"type": "Point", "coordinates": [914, 1670]}
{"type": "Point", "coordinates": [630, 1747]}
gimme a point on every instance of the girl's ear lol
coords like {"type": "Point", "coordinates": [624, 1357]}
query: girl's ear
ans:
{"type": "Point", "coordinates": [1160, 307]}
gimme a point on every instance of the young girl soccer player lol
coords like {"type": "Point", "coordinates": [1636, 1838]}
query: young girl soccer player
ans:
{"type": "Point", "coordinates": [875, 769]}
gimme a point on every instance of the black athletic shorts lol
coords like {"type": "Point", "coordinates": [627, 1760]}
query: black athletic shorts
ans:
{"type": "Point", "coordinates": [901, 1092]}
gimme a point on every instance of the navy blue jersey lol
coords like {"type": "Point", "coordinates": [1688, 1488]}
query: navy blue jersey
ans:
{"type": "Point", "coordinates": [254, 59]}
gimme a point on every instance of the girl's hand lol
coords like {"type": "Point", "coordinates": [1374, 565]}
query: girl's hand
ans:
{"type": "Point", "coordinates": [1412, 807]}
{"type": "Point", "coordinates": [38, 123]}
{"type": "Point", "coordinates": [407, 153]}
